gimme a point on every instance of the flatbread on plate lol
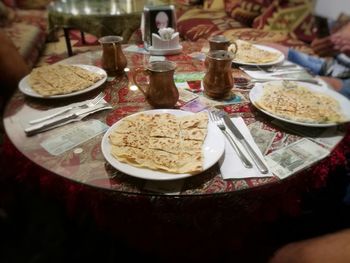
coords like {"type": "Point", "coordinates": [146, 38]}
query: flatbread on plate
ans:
{"type": "Point", "coordinates": [250, 53]}
{"type": "Point", "coordinates": [162, 142]}
{"type": "Point", "coordinates": [298, 103]}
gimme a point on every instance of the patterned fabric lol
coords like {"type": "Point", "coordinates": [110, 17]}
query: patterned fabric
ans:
{"type": "Point", "coordinates": [188, 2]}
{"type": "Point", "coordinates": [213, 5]}
{"type": "Point", "coordinates": [247, 10]}
{"type": "Point", "coordinates": [197, 23]}
{"type": "Point", "coordinates": [10, 3]}
{"type": "Point", "coordinates": [28, 33]}
{"type": "Point", "coordinates": [230, 5]}
{"type": "Point", "coordinates": [28, 39]}
{"type": "Point", "coordinates": [260, 36]}
{"type": "Point", "coordinates": [290, 16]}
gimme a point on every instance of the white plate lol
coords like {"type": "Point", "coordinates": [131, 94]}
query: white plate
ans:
{"type": "Point", "coordinates": [280, 59]}
{"type": "Point", "coordinates": [27, 89]}
{"type": "Point", "coordinates": [213, 148]}
{"type": "Point", "coordinates": [256, 93]}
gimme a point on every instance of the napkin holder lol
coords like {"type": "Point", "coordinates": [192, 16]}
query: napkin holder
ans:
{"type": "Point", "coordinates": [150, 23]}
{"type": "Point", "coordinates": [165, 46]}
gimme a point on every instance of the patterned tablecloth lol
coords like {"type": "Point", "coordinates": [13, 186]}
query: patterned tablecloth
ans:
{"type": "Point", "coordinates": [84, 179]}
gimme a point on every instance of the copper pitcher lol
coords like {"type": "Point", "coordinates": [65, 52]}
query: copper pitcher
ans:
{"type": "Point", "coordinates": [218, 42]}
{"type": "Point", "coordinates": [218, 80]}
{"type": "Point", "coordinates": [113, 58]}
{"type": "Point", "coordinates": [160, 91]}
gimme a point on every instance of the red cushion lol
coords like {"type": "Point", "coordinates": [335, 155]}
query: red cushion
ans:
{"type": "Point", "coordinates": [245, 11]}
{"type": "Point", "coordinates": [292, 17]}
{"type": "Point", "coordinates": [230, 5]}
{"type": "Point", "coordinates": [10, 3]}
{"type": "Point", "coordinates": [197, 23]}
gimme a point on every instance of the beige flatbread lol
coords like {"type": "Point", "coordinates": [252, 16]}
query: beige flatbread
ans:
{"type": "Point", "coordinates": [171, 145]}
{"type": "Point", "coordinates": [191, 145]}
{"type": "Point", "coordinates": [190, 161]}
{"type": "Point", "coordinates": [199, 120]}
{"type": "Point", "coordinates": [162, 142]}
{"type": "Point", "coordinates": [61, 79]}
{"type": "Point", "coordinates": [249, 53]}
{"type": "Point", "coordinates": [194, 134]}
{"type": "Point", "coordinates": [298, 103]}
{"type": "Point", "coordinates": [134, 156]}
{"type": "Point", "coordinates": [130, 140]}
{"type": "Point", "coordinates": [165, 125]}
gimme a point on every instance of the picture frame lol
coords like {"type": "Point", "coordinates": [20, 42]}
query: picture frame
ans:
{"type": "Point", "coordinates": [154, 18]}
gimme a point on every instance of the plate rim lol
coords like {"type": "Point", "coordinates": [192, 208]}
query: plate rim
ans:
{"type": "Point", "coordinates": [158, 175]}
{"type": "Point", "coordinates": [326, 90]}
{"type": "Point", "coordinates": [23, 85]}
{"type": "Point", "coordinates": [277, 61]}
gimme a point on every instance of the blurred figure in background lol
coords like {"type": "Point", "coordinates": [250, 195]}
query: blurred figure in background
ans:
{"type": "Point", "coordinates": [333, 62]}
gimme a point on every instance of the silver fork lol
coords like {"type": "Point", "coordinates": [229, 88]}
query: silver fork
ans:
{"type": "Point", "coordinates": [272, 69]}
{"type": "Point", "coordinates": [89, 104]}
{"type": "Point", "coordinates": [219, 122]}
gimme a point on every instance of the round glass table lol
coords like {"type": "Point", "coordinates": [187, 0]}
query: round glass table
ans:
{"type": "Point", "coordinates": [205, 202]}
{"type": "Point", "coordinates": [100, 18]}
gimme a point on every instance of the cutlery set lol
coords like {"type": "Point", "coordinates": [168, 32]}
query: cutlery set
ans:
{"type": "Point", "coordinates": [277, 72]}
{"type": "Point", "coordinates": [52, 120]}
{"type": "Point", "coordinates": [88, 104]}
{"type": "Point", "coordinates": [224, 121]}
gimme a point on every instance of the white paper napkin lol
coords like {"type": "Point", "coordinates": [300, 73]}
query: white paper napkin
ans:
{"type": "Point", "coordinates": [231, 166]}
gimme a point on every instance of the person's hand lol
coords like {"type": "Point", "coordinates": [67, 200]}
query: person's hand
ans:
{"type": "Point", "coordinates": [324, 47]}
{"type": "Point", "coordinates": [341, 40]}
{"type": "Point", "coordinates": [334, 83]}
{"type": "Point", "coordinates": [338, 42]}
{"type": "Point", "coordinates": [342, 45]}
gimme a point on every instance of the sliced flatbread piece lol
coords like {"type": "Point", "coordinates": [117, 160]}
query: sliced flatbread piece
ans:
{"type": "Point", "coordinates": [130, 140]}
{"type": "Point", "coordinates": [165, 125]}
{"type": "Point", "coordinates": [170, 145]}
{"type": "Point", "coordinates": [190, 162]}
{"type": "Point", "coordinates": [191, 145]}
{"type": "Point", "coordinates": [194, 134]}
{"type": "Point", "coordinates": [136, 157]}
{"type": "Point", "coordinates": [199, 120]}
{"type": "Point", "coordinates": [127, 127]}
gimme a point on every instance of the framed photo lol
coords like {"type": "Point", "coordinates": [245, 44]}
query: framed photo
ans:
{"type": "Point", "coordinates": [154, 18]}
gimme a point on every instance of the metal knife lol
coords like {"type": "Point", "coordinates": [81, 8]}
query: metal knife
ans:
{"type": "Point", "coordinates": [259, 163]}
{"type": "Point", "coordinates": [50, 123]}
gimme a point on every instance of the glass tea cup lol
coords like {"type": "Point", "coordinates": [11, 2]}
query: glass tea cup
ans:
{"type": "Point", "coordinates": [218, 80]}
{"type": "Point", "coordinates": [113, 58]}
{"type": "Point", "coordinates": [160, 91]}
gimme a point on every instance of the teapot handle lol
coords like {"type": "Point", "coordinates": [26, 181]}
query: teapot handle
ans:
{"type": "Point", "coordinates": [235, 45]}
{"type": "Point", "coordinates": [142, 88]}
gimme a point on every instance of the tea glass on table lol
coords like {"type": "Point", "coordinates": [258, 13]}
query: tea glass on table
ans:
{"type": "Point", "coordinates": [218, 42]}
{"type": "Point", "coordinates": [113, 59]}
{"type": "Point", "coordinates": [218, 80]}
{"type": "Point", "coordinates": [160, 91]}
